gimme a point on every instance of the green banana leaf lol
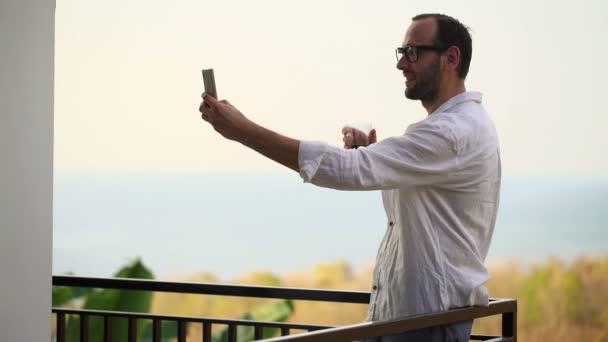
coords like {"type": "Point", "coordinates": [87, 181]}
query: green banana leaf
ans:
{"type": "Point", "coordinates": [62, 295]}
{"type": "Point", "coordinates": [115, 300]}
{"type": "Point", "coordinates": [279, 311]}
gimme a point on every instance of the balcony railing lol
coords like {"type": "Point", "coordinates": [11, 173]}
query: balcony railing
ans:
{"type": "Point", "coordinates": [505, 307]}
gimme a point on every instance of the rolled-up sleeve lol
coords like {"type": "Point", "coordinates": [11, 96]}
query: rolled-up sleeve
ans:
{"type": "Point", "coordinates": [310, 155]}
{"type": "Point", "coordinates": [423, 155]}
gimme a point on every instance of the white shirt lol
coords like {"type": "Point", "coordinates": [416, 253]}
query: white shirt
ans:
{"type": "Point", "coordinates": [440, 185]}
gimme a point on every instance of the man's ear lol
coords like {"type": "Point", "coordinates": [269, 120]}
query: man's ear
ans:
{"type": "Point", "coordinates": [452, 58]}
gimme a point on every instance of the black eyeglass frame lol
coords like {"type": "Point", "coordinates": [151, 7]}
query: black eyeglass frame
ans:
{"type": "Point", "coordinates": [405, 51]}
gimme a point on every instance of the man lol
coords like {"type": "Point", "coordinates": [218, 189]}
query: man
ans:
{"type": "Point", "coordinates": [440, 180]}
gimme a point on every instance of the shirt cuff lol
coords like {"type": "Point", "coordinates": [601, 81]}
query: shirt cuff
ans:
{"type": "Point", "coordinates": [310, 155]}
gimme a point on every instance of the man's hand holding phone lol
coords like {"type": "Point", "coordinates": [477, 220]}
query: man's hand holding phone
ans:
{"type": "Point", "coordinates": [223, 116]}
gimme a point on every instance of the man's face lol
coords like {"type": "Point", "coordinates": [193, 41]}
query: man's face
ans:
{"type": "Point", "coordinates": [423, 77]}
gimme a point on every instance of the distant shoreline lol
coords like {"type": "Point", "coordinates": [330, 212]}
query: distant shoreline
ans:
{"type": "Point", "coordinates": [229, 225]}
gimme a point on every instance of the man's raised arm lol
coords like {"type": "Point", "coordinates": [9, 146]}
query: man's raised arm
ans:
{"type": "Point", "coordinates": [233, 125]}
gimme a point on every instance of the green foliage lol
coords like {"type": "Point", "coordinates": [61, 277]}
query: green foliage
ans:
{"type": "Point", "coordinates": [140, 301]}
{"type": "Point", "coordinates": [327, 274]}
{"type": "Point", "coordinates": [63, 295]}
{"type": "Point", "coordinates": [537, 281]}
{"type": "Point", "coordinates": [572, 289]}
{"type": "Point", "coordinates": [264, 279]}
{"type": "Point", "coordinates": [557, 300]}
{"type": "Point", "coordinates": [114, 300]}
{"type": "Point", "coordinates": [278, 311]}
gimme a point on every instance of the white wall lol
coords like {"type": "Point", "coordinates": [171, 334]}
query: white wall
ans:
{"type": "Point", "coordinates": [26, 168]}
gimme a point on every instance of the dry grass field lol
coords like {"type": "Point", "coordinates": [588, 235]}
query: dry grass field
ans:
{"type": "Point", "coordinates": [557, 301]}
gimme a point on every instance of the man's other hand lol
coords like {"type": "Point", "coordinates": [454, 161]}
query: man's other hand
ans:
{"type": "Point", "coordinates": [354, 138]}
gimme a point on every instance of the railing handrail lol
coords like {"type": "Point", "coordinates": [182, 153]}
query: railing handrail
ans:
{"type": "Point", "coordinates": [356, 297]}
{"type": "Point", "coordinates": [506, 307]}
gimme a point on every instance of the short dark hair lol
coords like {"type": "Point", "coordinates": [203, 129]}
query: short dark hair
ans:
{"type": "Point", "coordinates": [451, 32]}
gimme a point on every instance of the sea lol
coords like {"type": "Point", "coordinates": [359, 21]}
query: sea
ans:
{"type": "Point", "coordinates": [183, 224]}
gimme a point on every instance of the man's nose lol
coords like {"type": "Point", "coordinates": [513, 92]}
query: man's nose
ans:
{"type": "Point", "coordinates": [402, 64]}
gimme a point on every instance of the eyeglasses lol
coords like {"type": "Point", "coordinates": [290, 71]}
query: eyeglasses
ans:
{"type": "Point", "coordinates": [411, 52]}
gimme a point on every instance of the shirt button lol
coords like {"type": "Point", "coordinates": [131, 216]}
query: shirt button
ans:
{"type": "Point", "coordinates": [391, 223]}
{"type": "Point", "coordinates": [374, 287]}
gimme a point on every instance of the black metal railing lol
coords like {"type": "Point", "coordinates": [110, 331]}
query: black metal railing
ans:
{"type": "Point", "coordinates": [505, 307]}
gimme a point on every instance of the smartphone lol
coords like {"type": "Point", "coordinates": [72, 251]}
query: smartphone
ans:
{"type": "Point", "coordinates": [209, 81]}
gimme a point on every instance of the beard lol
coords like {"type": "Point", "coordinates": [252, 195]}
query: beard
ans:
{"type": "Point", "coordinates": [427, 84]}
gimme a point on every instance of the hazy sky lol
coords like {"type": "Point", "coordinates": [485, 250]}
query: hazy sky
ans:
{"type": "Point", "coordinates": [128, 78]}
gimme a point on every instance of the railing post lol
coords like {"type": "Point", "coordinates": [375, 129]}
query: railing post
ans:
{"type": "Point", "coordinates": [132, 329]}
{"type": "Point", "coordinates": [60, 327]}
{"type": "Point", "coordinates": [258, 332]}
{"type": "Point", "coordinates": [157, 332]}
{"type": "Point", "coordinates": [232, 333]}
{"type": "Point", "coordinates": [206, 331]}
{"type": "Point", "coordinates": [84, 328]}
{"type": "Point", "coordinates": [509, 323]}
{"type": "Point", "coordinates": [181, 331]}
{"type": "Point", "coordinates": [107, 328]}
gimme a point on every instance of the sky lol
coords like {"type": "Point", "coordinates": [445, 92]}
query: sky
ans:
{"type": "Point", "coordinates": [128, 79]}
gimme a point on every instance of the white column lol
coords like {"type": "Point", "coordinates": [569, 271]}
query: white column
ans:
{"type": "Point", "coordinates": [27, 34]}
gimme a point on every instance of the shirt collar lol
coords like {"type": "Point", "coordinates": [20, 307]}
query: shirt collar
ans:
{"type": "Point", "coordinates": [458, 99]}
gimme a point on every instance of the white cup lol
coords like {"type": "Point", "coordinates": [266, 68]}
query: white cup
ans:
{"type": "Point", "coordinates": [364, 127]}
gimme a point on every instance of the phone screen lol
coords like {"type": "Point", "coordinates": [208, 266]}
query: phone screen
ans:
{"type": "Point", "coordinates": [209, 81]}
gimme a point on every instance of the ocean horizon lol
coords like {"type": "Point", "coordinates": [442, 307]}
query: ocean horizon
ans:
{"type": "Point", "coordinates": [232, 224]}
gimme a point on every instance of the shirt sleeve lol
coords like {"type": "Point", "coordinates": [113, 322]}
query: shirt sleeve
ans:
{"type": "Point", "coordinates": [423, 155]}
